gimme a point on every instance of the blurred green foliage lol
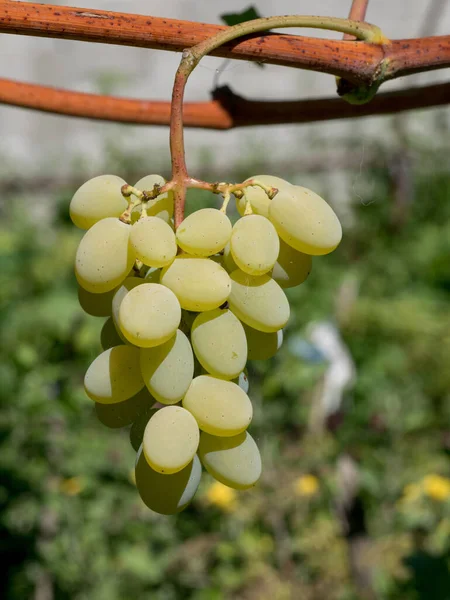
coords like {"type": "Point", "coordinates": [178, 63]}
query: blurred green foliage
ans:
{"type": "Point", "coordinates": [71, 522]}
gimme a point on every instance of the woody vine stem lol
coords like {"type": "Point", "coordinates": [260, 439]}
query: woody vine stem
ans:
{"type": "Point", "coordinates": [181, 180]}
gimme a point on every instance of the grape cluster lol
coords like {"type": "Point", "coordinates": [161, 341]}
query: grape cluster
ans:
{"type": "Point", "coordinates": [186, 309]}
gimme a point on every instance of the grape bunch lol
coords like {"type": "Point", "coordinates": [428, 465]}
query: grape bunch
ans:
{"type": "Point", "coordinates": [185, 311]}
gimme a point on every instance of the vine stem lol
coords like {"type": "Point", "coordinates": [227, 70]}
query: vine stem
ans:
{"type": "Point", "coordinates": [357, 13]}
{"type": "Point", "coordinates": [191, 58]}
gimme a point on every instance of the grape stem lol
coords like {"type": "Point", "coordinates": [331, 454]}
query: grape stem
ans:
{"type": "Point", "coordinates": [181, 181]}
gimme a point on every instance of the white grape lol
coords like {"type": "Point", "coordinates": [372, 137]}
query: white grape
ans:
{"type": "Point", "coordinates": [204, 232]}
{"type": "Point", "coordinates": [254, 244]}
{"type": "Point", "coordinates": [234, 461]}
{"type": "Point", "coordinates": [104, 256]}
{"type": "Point", "coordinates": [162, 205]}
{"type": "Point", "coordinates": [305, 221]}
{"type": "Point", "coordinates": [114, 376]}
{"type": "Point", "coordinates": [198, 283]}
{"type": "Point", "coordinates": [167, 494]}
{"type": "Point", "coordinates": [149, 315]}
{"type": "Point", "coordinates": [259, 200]}
{"type": "Point", "coordinates": [97, 199]}
{"type": "Point", "coordinates": [168, 369]}
{"type": "Point", "coordinates": [219, 343]}
{"type": "Point", "coordinates": [258, 301]}
{"type": "Point", "coordinates": [124, 413]}
{"type": "Point", "coordinates": [153, 241]}
{"type": "Point", "coordinates": [292, 267]}
{"type": "Point", "coordinates": [221, 407]}
{"type": "Point", "coordinates": [171, 439]}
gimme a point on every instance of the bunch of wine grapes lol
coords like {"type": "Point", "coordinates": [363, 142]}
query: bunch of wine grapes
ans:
{"type": "Point", "coordinates": [184, 312]}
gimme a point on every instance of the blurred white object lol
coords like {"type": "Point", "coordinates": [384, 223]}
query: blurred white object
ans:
{"type": "Point", "coordinates": [341, 372]}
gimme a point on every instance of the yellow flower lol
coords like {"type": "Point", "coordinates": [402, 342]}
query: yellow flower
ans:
{"type": "Point", "coordinates": [436, 487]}
{"type": "Point", "coordinates": [221, 496]}
{"type": "Point", "coordinates": [72, 486]}
{"type": "Point", "coordinates": [411, 492]}
{"type": "Point", "coordinates": [306, 485]}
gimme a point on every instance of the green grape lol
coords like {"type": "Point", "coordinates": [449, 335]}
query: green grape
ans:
{"type": "Point", "coordinates": [109, 336]}
{"type": "Point", "coordinates": [305, 221]}
{"type": "Point", "coordinates": [258, 301]}
{"type": "Point", "coordinates": [170, 439]}
{"type": "Point", "coordinates": [167, 494]}
{"type": "Point", "coordinates": [228, 261]}
{"type": "Point", "coordinates": [259, 200]}
{"type": "Point", "coordinates": [261, 345]}
{"type": "Point", "coordinates": [114, 376]}
{"type": "Point", "coordinates": [198, 283]}
{"type": "Point", "coordinates": [104, 257]}
{"type": "Point", "coordinates": [96, 305]}
{"type": "Point", "coordinates": [124, 413]}
{"type": "Point", "coordinates": [221, 407]}
{"type": "Point", "coordinates": [154, 242]}
{"type": "Point", "coordinates": [292, 267]}
{"type": "Point", "coordinates": [162, 205]}
{"type": "Point", "coordinates": [149, 315]}
{"type": "Point", "coordinates": [219, 343]}
{"type": "Point", "coordinates": [140, 423]}
{"type": "Point", "coordinates": [254, 244]}
{"type": "Point", "coordinates": [234, 461]}
{"type": "Point", "coordinates": [242, 381]}
{"type": "Point", "coordinates": [97, 199]}
{"type": "Point", "coordinates": [168, 369]}
{"type": "Point", "coordinates": [204, 232]}
{"type": "Point", "coordinates": [127, 285]}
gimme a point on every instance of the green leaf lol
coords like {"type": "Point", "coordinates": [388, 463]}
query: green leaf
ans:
{"type": "Point", "coordinates": [248, 14]}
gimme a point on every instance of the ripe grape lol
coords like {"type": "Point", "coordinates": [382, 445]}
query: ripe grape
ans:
{"type": "Point", "coordinates": [96, 305]}
{"type": "Point", "coordinates": [162, 205]}
{"type": "Point", "coordinates": [234, 461]}
{"type": "Point", "coordinates": [292, 267]}
{"type": "Point", "coordinates": [127, 285]}
{"type": "Point", "coordinates": [199, 283]}
{"type": "Point", "coordinates": [149, 315]}
{"type": "Point", "coordinates": [261, 345]}
{"type": "Point", "coordinates": [168, 369]}
{"type": "Point", "coordinates": [140, 423]}
{"type": "Point", "coordinates": [254, 244]}
{"type": "Point", "coordinates": [259, 200]}
{"type": "Point", "coordinates": [204, 232]}
{"type": "Point", "coordinates": [154, 242]}
{"type": "Point", "coordinates": [242, 381]}
{"type": "Point", "coordinates": [258, 301]}
{"type": "Point", "coordinates": [167, 494]}
{"type": "Point", "coordinates": [109, 336]}
{"type": "Point", "coordinates": [219, 343]}
{"type": "Point", "coordinates": [104, 257]}
{"type": "Point", "coordinates": [124, 413]}
{"type": "Point", "coordinates": [97, 199]}
{"type": "Point", "coordinates": [220, 407]}
{"type": "Point", "coordinates": [228, 261]}
{"type": "Point", "coordinates": [170, 439]}
{"type": "Point", "coordinates": [305, 221]}
{"type": "Point", "coordinates": [114, 376]}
